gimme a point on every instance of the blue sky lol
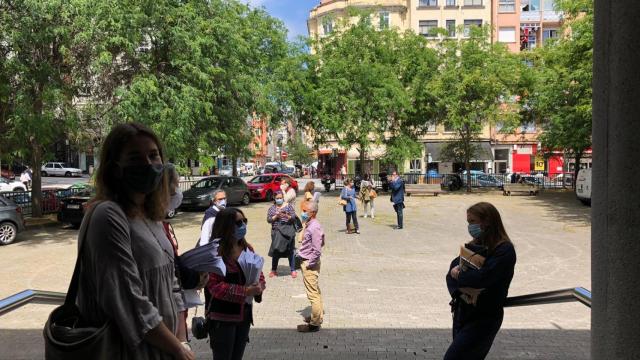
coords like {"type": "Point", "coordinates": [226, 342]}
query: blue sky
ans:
{"type": "Point", "coordinates": [293, 13]}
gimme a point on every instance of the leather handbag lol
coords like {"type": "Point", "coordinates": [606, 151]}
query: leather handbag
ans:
{"type": "Point", "coordinates": [373, 194]}
{"type": "Point", "coordinates": [342, 202]}
{"type": "Point", "coordinates": [67, 335]}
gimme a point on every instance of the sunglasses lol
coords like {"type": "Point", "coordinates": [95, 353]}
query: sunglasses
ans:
{"type": "Point", "coordinates": [240, 222]}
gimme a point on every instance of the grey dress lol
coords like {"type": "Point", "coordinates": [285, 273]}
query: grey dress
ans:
{"type": "Point", "coordinates": [127, 275]}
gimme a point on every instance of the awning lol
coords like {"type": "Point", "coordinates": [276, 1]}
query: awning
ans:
{"type": "Point", "coordinates": [483, 153]}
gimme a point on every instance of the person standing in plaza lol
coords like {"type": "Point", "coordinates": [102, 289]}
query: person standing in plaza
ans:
{"type": "Point", "coordinates": [397, 197]}
{"type": "Point", "coordinates": [289, 193]}
{"type": "Point", "coordinates": [219, 202]}
{"type": "Point", "coordinates": [231, 310]}
{"type": "Point", "coordinates": [348, 195]}
{"type": "Point", "coordinates": [477, 318]}
{"type": "Point", "coordinates": [366, 188]}
{"type": "Point", "coordinates": [127, 272]}
{"type": "Point", "coordinates": [281, 216]}
{"type": "Point", "coordinates": [309, 192]}
{"type": "Point", "coordinates": [310, 252]}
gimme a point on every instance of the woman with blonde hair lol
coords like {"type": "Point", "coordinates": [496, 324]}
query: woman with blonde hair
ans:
{"type": "Point", "coordinates": [478, 295]}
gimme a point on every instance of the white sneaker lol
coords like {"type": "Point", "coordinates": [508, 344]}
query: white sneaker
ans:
{"type": "Point", "coordinates": [373, 216]}
{"type": "Point", "coordinates": [365, 216]}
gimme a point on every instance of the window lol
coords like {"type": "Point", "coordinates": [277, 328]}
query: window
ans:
{"type": "Point", "coordinates": [528, 128]}
{"type": "Point", "coordinates": [431, 128]}
{"type": "Point", "coordinates": [469, 23]}
{"type": "Point", "coordinates": [531, 5]}
{"type": "Point", "coordinates": [451, 2]}
{"type": "Point", "coordinates": [531, 44]}
{"type": "Point", "coordinates": [472, 2]}
{"type": "Point", "coordinates": [549, 5]}
{"type": "Point", "coordinates": [506, 6]}
{"type": "Point", "coordinates": [507, 34]}
{"type": "Point", "coordinates": [451, 28]}
{"type": "Point", "coordinates": [427, 27]}
{"type": "Point", "coordinates": [549, 34]}
{"type": "Point", "coordinates": [428, 3]}
{"type": "Point", "coordinates": [415, 166]}
{"type": "Point", "coordinates": [327, 26]}
{"type": "Point", "coordinates": [384, 20]}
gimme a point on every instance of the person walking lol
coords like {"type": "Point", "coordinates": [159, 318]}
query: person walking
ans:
{"type": "Point", "coordinates": [479, 294]}
{"type": "Point", "coordinates": [219, 202]}
{"type": "Point", "coordinates": [231, 310]}
{"type": "Point", "coordinates": [282, 216]}
{"type": "Point", "coordinates": [25, 178]}
{"type": "Point", "coordinates": [289, 193]}
{"type": "Point", "coordinates": [310, 252]}
{"type": "Point", "coordinates": [127, 273]}
{"type": "Point", "coordinates": [397, 197]}
{"type": "Point", "coordinates": [350, 208]}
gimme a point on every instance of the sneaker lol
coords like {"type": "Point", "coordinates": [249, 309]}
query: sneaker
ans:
{"type": "Point", "coordinates": [373, 216]}
{"type": "Point", "coordinates": [357, 231]}
{"type": "Point", "coordinates": [294, 274]}
{"type": "Point", "coordinates": [272, 274]}
{"type": "Point", "coordinates": [398, 227]}
{"type": "Point", "coordinates": [307, 319]}
{"type": "Point", "coordinates": [308, 328]}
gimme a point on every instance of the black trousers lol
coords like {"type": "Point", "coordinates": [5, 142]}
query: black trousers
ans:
{"type": "Point", "coordinates": [229, 339]}
{"type": "Point", "coordinates": [352, 215]}
{"type": "Point", "coordinates": [399, 213]}
{"type": "Point", "coordinates": [473, 335]}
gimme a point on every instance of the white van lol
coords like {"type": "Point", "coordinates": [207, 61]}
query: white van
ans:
{"type": "Point", "coordinates": [583, 186]}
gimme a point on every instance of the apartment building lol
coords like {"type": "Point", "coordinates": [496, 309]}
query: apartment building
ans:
{"type": "Point", "coordinates": [519, 24]}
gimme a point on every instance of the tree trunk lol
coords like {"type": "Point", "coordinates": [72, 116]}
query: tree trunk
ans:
{"type": "Point", "coordinates": [363, 155]}
{"type": "Point", "coordinates": [36, 182]}
{"type": "Point", "coordinates": [234, 168]}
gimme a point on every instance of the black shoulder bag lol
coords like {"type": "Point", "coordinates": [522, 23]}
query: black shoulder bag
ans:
{"type": "Point", "coordinates": [68, 336]}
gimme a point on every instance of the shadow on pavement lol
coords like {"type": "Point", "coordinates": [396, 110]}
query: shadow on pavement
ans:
{"type": "Point", "coordinates": [357, 343]}
{"type": "Point", "coordinates": [564, 206]}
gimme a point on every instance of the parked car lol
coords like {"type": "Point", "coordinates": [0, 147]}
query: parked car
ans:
{"type": "Point", "coordinates": [7, 173]}
{"type": "Point", "coordinates": [289, 170]}
{"type": "Point", "coordinates": [11, 221]}
{"type": "Point", "coordinates": [262, 187]}
{"type": "Point", "coordinates": [273, 169]}
{"type": "Point", "coordinates": [533, 180]}
{"type": "Point", "coordinates": [73, 207]}
{"type": "Point", "coordinates": [562, 180]}
{"type": "Point", "coordinates": [583, 186]}
{"type": "Point", "coordinates": [480, 179]}
{"type": "Point", "coordinates": [201, 193]}
{"type": "Point", "coordinates": [59, 169]}
{"type": "Point", "coordinates": [11, 185]}
{"type": "Point", "coordinates": [64, 191]}
{"type": "Point", "coordinates": [226, 170]}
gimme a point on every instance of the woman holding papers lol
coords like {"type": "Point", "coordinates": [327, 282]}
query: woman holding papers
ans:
{"type": "Point", "coordinates": [281, 216]}
{"type": "Point", "coordinates": [230, 309]}
{"type": "Point", "coordinates": [479, 293]}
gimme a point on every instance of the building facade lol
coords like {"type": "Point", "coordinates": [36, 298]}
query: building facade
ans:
{"type": "Point", "coordinates": [520, 25]}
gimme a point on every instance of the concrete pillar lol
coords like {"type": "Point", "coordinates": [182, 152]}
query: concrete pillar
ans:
{"type": "Point", "coordinates": [615, 256]}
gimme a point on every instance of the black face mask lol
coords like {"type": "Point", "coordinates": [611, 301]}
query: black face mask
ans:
{"type": "Point", "coordinates": [142, 178]}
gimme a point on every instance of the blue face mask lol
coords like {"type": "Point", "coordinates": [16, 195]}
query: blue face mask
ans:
{"type": "Point", "coordinates": [241, 231]}
{"type": "Point", "coordinates": [221, 203]}
{"type": "Point", "coordinates": [475, 230]}
{"type": "Point", "coordinates": [304, 216]}
{"type": "Point", "coordinates": [279, 201]}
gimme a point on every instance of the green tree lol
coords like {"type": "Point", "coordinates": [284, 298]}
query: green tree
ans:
{"type": "Point", "coordinates": [44, 57]}
{"type": "Point", "coordinates": [475, 78]}
{"type": "Point", "coordinates": [562, 96]}
{"type": "Point", "coordinates": [359, 91]}
{"type": "Point", "coordinates": [299, 152]}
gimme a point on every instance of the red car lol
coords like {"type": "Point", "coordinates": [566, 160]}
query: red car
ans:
{"type": "Point", "coordinates": [262, 187]}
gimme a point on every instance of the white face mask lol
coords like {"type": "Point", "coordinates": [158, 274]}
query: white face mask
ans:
{"type": "Point", "coordinates": [175, 200]}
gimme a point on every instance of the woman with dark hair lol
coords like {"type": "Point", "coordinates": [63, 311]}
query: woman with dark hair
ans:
{"type": "Point", "coordinates": [348, 194]}
{"type": "Point", "coordinates": [281, 216]}
{"type": "Point", "coordinates": [230, 309]}
{"type": "Point", "coordinates": [127, 271]}
{"type": "Point", "coordinates": [479, 294]}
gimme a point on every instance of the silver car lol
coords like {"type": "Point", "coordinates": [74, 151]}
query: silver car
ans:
{"type": "Point", "coordinates": [11, 221]}
{"type": "Point", "coordinates": [59, 169]}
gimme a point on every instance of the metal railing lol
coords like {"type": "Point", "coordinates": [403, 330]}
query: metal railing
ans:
{"type": "Point", "coordinates": [579, 294]}
{"type": "Point", "coordinates": [478, 180]}
{"type": "Point", "coordinates": [30, 296]}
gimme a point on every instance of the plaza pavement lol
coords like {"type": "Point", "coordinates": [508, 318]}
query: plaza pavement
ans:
{"type": "Point", "coordinates": [384, 291]}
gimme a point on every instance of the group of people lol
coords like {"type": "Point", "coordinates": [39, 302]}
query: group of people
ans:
{"type": "Point", "coordinates": [129, 273]}
{"type": "Point", "coordinates": [367, 195]}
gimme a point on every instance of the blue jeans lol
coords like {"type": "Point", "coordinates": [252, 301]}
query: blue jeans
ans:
{"type": "Point", "coordinates": [399, 208]}
{"type": "Point", "coordinates": [292, 262]}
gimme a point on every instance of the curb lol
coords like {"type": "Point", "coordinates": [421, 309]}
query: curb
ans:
{"type": "Point", "coordinates": [31, 223]}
